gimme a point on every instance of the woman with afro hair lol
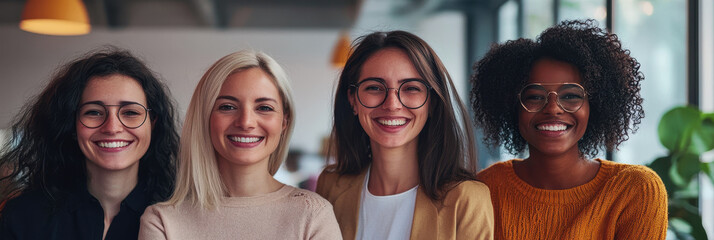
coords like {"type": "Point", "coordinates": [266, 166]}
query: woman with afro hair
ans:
{"type": "Point", "coordinates": [564, 98]}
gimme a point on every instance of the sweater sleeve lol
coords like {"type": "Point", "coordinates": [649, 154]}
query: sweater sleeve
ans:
{"type": "Point", "coordinates": [475, 214]}
{"type": "Point", "coordinates": [152, 227]}
{"type": "Point", "coordinates": [645, 214]}
{"type": "Point", "coordinates": [323, 224]}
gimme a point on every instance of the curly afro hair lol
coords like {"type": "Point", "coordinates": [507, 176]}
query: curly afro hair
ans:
{"type": "Point", "coordinates": [609, 74]}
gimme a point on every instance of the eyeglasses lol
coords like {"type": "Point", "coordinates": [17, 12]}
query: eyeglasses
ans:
{"type": "Point", "coordinates": [372, 93]}
{"type": "Point", "coordinates": [570, 96]}
{"type": "Point", "coordinates": [93, 115]}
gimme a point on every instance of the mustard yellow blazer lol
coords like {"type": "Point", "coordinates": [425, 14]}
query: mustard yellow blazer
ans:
{"type": "Point", "coordinates": [465, 213]}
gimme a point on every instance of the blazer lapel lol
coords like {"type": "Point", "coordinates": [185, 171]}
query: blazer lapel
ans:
{"type": "Point", "coordinates": [348, 202]}
{"type": "Point", "coordinates": [425, 217]}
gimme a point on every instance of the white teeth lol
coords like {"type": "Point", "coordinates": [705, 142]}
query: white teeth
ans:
{"type": "Point", "coordinates": [113, 144]}
{"type": "Point", "coordinates": [394, 122]}
{"type": "Point", "coordinates": [552, 127]}
{"type": "Point", "coordinates": [244, 139]}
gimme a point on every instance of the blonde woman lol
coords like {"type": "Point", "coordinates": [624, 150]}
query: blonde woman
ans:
{"type": "Point", "coordinates": [235, 137]}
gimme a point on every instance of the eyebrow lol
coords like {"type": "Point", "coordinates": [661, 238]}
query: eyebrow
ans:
{"type": "Point", "coordinates": [382, 79]}
{"type": "Point", "coordinates": [262, 99]}
{"type": "Point", "coordinates": [121, 103]}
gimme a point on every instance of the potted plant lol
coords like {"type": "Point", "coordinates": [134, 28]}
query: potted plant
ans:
{"type": "Point", "coordinates": [686, 132]}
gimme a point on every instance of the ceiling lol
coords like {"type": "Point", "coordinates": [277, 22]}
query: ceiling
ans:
{"type": "Point", "coordinates": [225, 14]}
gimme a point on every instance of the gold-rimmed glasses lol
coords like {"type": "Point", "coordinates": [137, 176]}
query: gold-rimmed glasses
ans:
{"type": "Point", "coordinates": [569, 96]}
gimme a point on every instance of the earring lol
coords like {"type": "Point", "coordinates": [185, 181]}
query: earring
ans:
{"type": "Point", "coordinates": [369, 151]}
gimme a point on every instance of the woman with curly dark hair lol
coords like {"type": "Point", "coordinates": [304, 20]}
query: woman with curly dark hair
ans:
{"type": "Point", "coordinates": [565, 97]}
{"type": "Point", "coordinates": [405, 166]}
{"type": "Point", "coordinates": [90, 152]}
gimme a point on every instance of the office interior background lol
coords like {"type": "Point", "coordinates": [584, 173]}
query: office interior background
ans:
{"type": "Point", "coordinates": [179, 39]}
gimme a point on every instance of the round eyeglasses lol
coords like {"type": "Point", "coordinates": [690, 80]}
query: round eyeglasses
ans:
{"type": "Point", "coordinates": [569, 96]}
{"type": "Point", "coordinates": [93, 115]}
{"type": "Point", "coordinates": [372, 93]}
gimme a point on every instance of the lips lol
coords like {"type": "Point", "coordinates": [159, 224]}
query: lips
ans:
{"type": "Point", "coordinates": [392, 122]}
{"type": "Point", "coordinates": [245, 141]}
{"type": "Point", "coordinates": [552, 127]}
{"type": "Point", "coordinates": [113, 145]}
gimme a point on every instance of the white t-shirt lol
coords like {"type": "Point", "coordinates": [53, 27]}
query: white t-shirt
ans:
{"type": "Point", "coordinates": [386, 217]}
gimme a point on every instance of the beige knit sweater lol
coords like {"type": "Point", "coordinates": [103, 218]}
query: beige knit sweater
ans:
{"type": "Point", "coordinates": [288, 213]}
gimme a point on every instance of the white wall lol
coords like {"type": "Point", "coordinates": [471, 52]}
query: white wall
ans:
{"type": "Point", "coordinates": [180, 57]}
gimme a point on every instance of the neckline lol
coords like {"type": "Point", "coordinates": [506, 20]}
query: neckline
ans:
{"type": "Point", "coordinates": [365, 188]}
{"type": "Point", "coordinates": [259, 199]}
{"type": "Point", "coordinates": [561, 196]}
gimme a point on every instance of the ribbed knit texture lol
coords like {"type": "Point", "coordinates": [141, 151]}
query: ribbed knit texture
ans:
{"type": "Point", "coordinates": [622, 202]}
{"type": "Point", "coordinates": [288, 213]}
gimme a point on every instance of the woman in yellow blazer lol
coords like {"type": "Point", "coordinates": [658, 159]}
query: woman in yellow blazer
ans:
{"type": "Point", "coordinates": [404, 165]}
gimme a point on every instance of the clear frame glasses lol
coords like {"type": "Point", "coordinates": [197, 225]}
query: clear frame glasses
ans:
{"type": "Point", "coordinates": [94, 115]}
{"type": "Point", "coordinates": [372, 93]}
{"type": "Point", "coordinates": [569, 96]}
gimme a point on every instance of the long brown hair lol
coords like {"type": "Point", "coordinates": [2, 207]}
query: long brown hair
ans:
{"type": "Point", "coordinates": [447, 151]}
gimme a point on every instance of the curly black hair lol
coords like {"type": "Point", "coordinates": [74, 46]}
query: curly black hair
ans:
{"type": "Point", "coordinates": [609, 74]}
{"type": "Point", "coordinates": [43, 153]}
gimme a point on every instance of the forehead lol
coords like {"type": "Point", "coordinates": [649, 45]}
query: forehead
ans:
{"type": "Point", "coordinates": [250, 83]}
{"type": "Point", "coordinates": [390, 64]}
{"type": "Point", "coordinates": [113, 89]}
{"type": "Point", "coordinates": [549, 71]}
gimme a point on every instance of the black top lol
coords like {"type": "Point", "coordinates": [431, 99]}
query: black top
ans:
{"type": "Point", "coordinates": [32, 216]}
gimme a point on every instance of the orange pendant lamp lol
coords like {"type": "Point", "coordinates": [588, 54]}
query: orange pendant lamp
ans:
{"type": "Point", "coordinates": [341, 51]}
{"type": "Point", "coordinates": [55, 17]}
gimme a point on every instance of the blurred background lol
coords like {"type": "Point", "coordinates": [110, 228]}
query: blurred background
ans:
{"type": "Point", "coordinates": [180, 39]}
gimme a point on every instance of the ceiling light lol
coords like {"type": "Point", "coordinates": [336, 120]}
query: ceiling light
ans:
{"type": "Point", "coordinates": [55, 17]}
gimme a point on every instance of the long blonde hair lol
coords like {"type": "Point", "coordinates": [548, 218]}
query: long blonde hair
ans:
{"type": "Point", "coordinates": [198, 179]}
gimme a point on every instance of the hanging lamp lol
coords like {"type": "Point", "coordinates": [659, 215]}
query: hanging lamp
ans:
{"type": "Point", "coordinates": [55, 17]}
{"type": "Point", "coordinates": [341, 51]}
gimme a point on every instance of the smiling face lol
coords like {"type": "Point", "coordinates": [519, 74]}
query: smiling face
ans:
{"type": "Point", "coordinates": [553, 131]}
{"type": "Point", "coordinates": [247, 119]}
{"type": "Point", "coordinates": [112, 146]}
{"type": "Point", "coordinates": [390, 124]}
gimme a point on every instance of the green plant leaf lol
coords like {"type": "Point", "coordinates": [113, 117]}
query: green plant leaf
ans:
{"type": "Point", "coordinates": [679, 225]}
{"type": "Point", "coordinates": [695, 221]}
{"type": "Point", "coordinates": [674, 127]}
{"type": "Point", "coordinates": [702, 135]}
{"type": "Point", "coordinates": [688, 166]}
{"type": "Point", "coordinates": [684, 167]}
{"type": "Point", "coordinates": [690, 192]}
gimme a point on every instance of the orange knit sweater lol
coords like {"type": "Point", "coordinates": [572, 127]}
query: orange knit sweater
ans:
{"type": "Point", "coordinates": [622, 202]}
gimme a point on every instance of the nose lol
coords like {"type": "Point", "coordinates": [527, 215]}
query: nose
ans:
{"type": "Point", "coordinates": [552, 107]}
{"type": "Point", "coordinates": [245, 119]}
{"type": "Point", "coordinates": [112, 124]}
{"type": "Point", "coordinates": [392, 100]}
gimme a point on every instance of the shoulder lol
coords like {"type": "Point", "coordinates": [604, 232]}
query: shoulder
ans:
{"type": "Point", "coordinates": [30, 203]}
{"type": "Point", "coordinates": [495, 172]}
{"type": "Point", "coordinates": [164, 210]}
{"type": "Point", "coordinates": [637, 180]}
{"type": "Point", "coordinates": [29, 212]}
{"type": "Point", "coordinates": [331, 181]}
{"type": "Point", "coordinates": [468, 192]}
{"type": "Point", "coordinates": [632, 174]}
{"type": "Point", "coordinates": [310, 200]}
{"type": "Point", "coordinates": [328, 175]}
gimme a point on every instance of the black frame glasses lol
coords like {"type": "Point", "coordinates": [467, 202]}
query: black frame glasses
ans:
{"type": "Point", "coordinates": [380, 85]}
{"type": "Point", "coordinates": [568, 101]}
{"type": "Point", "coordinates": [91, 116]}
